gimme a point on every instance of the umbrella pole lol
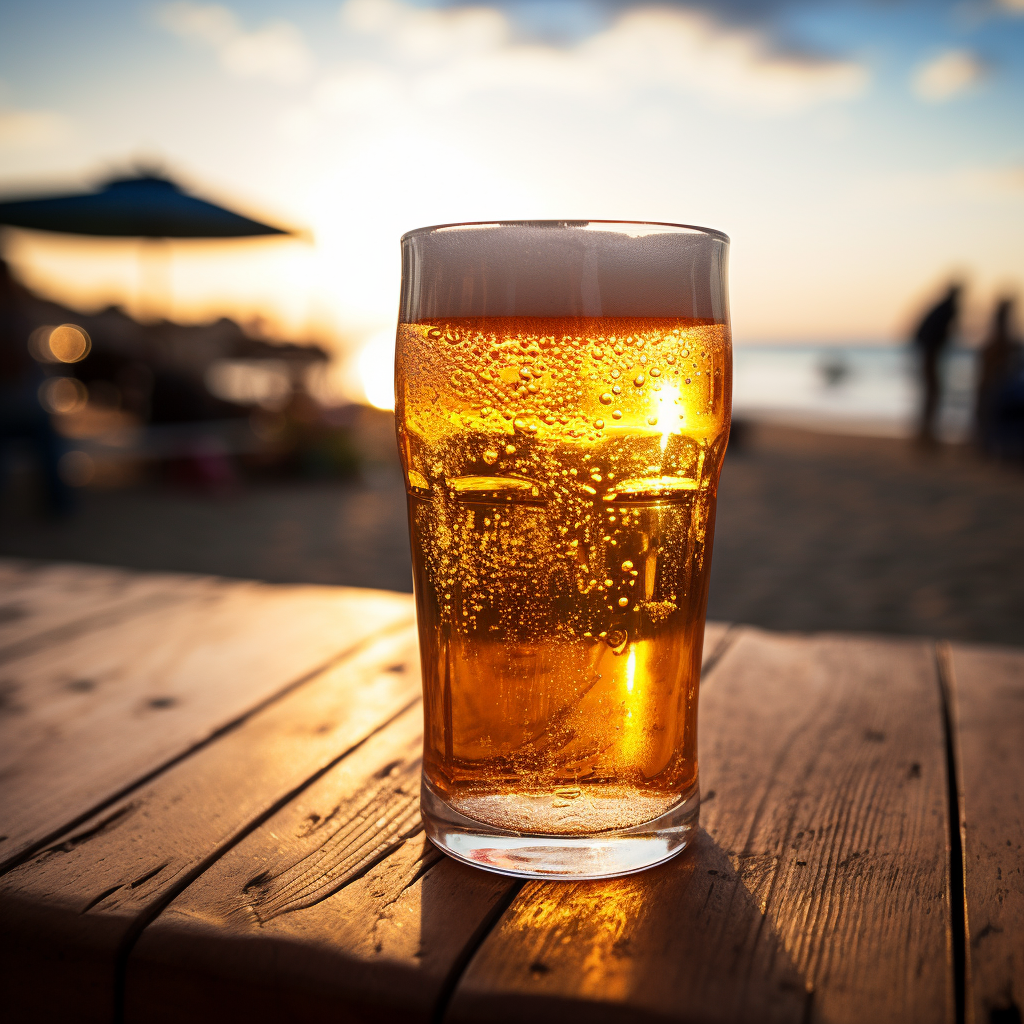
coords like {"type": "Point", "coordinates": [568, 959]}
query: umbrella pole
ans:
{"type": "Point", "coordinates": [155, 301]}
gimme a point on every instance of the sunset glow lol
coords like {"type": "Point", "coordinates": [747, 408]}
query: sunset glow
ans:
{"type": "Point", "coordinates": [376, 363]}
{"type": "Point", "coordinates": [828, 162]}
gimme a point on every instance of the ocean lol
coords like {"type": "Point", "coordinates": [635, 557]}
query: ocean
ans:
{"type": "Point", "coordinates": [859, 389]}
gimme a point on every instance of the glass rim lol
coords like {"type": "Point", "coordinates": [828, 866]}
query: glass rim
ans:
{"type": "Point", "coordinates": [675, 228]}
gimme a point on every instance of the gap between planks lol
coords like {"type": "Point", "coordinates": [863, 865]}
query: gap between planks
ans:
{"type": "Point", "coordinates": [957, 879]}
{"type": "Point", "coordinates": [493, 983]}
{"type": "Point", "coordinates": [718, 648]}
{"type": "Point", "coordinates": [353, 649]}
{"type": "Point", "coordinates": [77, 627]}
{"type": "Point", "coordinates": [151, 913]}
{"type": "Point", "coordinates": [720, 637]}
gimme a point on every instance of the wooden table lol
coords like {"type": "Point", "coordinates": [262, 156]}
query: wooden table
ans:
{"type": "Point", "coordinates": [209, 813]}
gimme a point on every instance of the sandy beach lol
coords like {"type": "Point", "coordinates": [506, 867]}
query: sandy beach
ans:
{"type": "Point", "coordinates": [815, 532]}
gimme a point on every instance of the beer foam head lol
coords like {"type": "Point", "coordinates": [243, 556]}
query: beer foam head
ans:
{"type": "Point", "coordinates": [564, 268]}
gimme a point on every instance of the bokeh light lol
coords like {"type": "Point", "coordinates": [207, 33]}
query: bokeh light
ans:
{"type": "Point", "coordinates": [63, 395]}
{"type": "Point", "coordinates": [69, 343]}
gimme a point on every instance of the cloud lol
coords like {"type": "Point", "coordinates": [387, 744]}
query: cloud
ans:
{"type": "Point", "coordinates": [276, 52]}
{"type": "Point", "coordinates": [948, 75]}
{"type": "Point", "coordinates": [31, 129]}
{"type": "Point", "coordinates": [439, 56]}
{"type": "Point", "coordinates": [444, 55]}
{"type": "Point", "coordinates": [571, 18]}
{"type": "Point", "coordinates": [695, 53]}
{"type": "Point", "coordinates": [425, 34]}
{"type": "Point", "coordinates": [211, 23]}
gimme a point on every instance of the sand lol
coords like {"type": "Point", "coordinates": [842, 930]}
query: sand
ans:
{"type": "Point", "coordinates": [815, 532]}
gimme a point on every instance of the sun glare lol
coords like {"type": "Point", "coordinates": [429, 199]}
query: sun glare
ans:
{"type": "Point", "coordinates": [669, 418]}
{"type": "Point", "coordinates": [376, 366]}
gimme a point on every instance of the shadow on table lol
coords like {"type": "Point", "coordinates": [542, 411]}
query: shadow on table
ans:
{"type": "Point", "coordinates": [684, 941]}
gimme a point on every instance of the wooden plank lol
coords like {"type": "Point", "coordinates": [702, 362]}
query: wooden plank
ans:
{"type": "Point", "coordinates": [67, 911]}
{"type": "Point", "coordinates": [43, 603]}
{"type": "Point", "coordinates": [337, 907]}
{"type": "Point", "coordinates": [988, 686]}
{"type": "Point", "coordinates": [817, 889]}
{"type": "Point", "coordinates": [91, 717]}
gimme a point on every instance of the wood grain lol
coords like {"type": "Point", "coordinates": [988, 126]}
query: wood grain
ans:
{"type": "Point", "coordinates": [68, 910]}
{"type": "Point", "coordinates": [817, 890]}
{"type": "Point", "coordinates": [988, 686]}
{"type": "Point", "coordinates": [43, 603]}
{"type": "Point", "coordinates": [336, 907]}
{"type": "Point", "coordinates": [89, 717]}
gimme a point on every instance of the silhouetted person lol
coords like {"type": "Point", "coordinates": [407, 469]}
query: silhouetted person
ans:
{"type": "Point", "coordinates": [932, 338]}
{"type": "Point", "coordinates": [999, 383]}
{"type": "Point", "coordinates": [22, 417]}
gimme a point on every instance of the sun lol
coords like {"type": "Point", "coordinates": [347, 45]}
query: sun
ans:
{"type": "Point", "coordinates": [376, 367]}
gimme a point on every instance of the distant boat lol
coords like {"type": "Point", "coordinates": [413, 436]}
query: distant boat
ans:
{"type": "Point", "coordinates": [834, 371]}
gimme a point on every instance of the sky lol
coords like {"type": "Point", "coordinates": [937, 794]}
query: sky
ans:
{"type": "Point", "coordinates": [857, 153]}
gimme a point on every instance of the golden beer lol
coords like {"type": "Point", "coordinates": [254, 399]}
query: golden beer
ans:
{"type": "Point", "coordinates": [561, 476]}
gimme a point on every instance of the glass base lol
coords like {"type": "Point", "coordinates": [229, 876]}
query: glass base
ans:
{"type": "Point", "coordinates": [525, 855]}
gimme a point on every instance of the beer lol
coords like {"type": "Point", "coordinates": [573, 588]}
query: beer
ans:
{"type": "Point", "coordinates": [561, 476]}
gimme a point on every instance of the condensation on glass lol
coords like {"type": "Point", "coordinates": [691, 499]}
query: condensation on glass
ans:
{"type": "Point", "coordinates": [563, 394]}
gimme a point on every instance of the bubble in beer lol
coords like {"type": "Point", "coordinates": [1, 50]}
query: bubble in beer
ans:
{"type": "Point", "coordinates": [616, 640]}
{"type": "Point", "coordinates": [639, 381]}
{"type": "Point", "coordinates": [524, 591]}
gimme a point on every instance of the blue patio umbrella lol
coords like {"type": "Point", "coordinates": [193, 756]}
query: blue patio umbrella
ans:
{"type": "Point", "coordinates": [144, 206]}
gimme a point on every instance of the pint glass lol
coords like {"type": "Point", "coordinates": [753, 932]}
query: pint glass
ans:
{"type": "Point", "coordinates": [563, 394]}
